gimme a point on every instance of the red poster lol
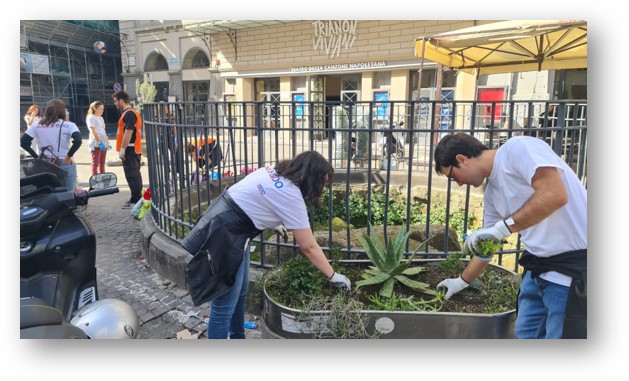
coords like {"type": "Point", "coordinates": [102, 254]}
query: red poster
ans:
{"type": "Point", "coordinates": [485, 97]}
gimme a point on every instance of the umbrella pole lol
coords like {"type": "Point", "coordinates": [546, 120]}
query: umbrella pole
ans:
{"type": "Point", "coordinates": [421, 71]}
{"type": "Point", "coordinates": [436, 117]}
{"type": "Point", "coordinates": [419, 87]}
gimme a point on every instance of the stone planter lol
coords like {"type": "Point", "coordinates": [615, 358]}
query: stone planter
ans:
{"type": "Point", "coordinates": [284, 322]}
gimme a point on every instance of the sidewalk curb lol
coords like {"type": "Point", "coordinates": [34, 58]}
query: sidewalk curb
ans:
{"type": "Point", "coordinates": [163, 254]}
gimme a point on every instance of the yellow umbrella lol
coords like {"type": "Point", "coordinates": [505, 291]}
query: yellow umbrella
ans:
{"type": "Point", "coordinates": [509, 46]}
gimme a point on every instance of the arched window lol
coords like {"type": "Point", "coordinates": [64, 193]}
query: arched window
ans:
{"type": "Point", "coordinates": [155, 62]}
{"type": "Point", "coordinates": [196, 58]}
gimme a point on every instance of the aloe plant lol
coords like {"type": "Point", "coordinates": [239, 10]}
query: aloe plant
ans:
{"type": "Point", "coordinates": [389, 267]}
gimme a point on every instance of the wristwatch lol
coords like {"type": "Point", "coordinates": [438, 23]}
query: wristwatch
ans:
{"type": "Point", "coordinates": [508, 222]}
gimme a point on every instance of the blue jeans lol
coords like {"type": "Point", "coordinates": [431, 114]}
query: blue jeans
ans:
{"type": "Point", "coordinates": [71, 179]}
{"type": "Point", "coordinates": [541, 309]}
{"type": "Point", "coordinates": [227, 312]}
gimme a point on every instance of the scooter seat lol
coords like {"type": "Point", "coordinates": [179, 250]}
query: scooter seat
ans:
{"type": "Point", "coordinates": [62, 331]}
{"type": "Point", "coordinates": [36, 312]}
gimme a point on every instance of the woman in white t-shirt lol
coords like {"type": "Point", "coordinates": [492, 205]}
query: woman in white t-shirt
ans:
{"type": "Point", "coordinates": [32, 116]}
{"type": "Point", "coordinates": [271, 197]}
{"type": "Point", "coordinates": [98, 141]}
{"type": "Point", "coordinates": [60, 138]}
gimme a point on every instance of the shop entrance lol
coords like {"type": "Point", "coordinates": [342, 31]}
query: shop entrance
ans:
{"type": "Point", "coordinates": [339, 89]}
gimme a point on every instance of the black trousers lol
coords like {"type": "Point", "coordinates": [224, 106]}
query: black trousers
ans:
{"type": "Point", "coordinates": [131, 165]}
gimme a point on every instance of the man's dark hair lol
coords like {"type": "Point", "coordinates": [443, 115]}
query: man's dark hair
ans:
{"type": "Point", "coordinates": [122, 95]}
{"type": "Point", "coordinates": [310, 171]}
{"type": "Point", "coordinates": [454, 144]}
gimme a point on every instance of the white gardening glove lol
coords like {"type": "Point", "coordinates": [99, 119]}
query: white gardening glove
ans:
{"type": "Point", "coordinates": [121, 155]}
{"type": "Point", "coordinates": [496, 233]}
{"type": "Point", "coordinates": [454, 285]}
{"type": "Point", "coordinates": [281, 230]}
{"type": "Point", "coordinates": [340, 281]}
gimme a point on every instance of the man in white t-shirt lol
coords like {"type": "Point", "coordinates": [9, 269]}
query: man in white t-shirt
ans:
{"type": "Point", "coordinates": [529, 190]}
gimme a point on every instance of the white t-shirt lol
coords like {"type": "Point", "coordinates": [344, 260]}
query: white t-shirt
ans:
{"type": "Point", "coordinates": [49, 136]}
{"type": "Point", "coordinates": [99, 123]}
{"type": "Point", "coordinates": [270, 200]}
{"type": "Point", "coordinates": [32, 120]}
{"type": "Point", "coordinates": [509, 187]}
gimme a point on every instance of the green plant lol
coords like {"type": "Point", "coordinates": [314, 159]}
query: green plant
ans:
{"type": "Point", "coordinates": [360, 207]}
{"type": "Point", "coordinates": [452, 263]}
{"type": "Point", "coordinates": [296, 282]}
{"type": "Point", "coordinates": [388, 267]}
{"type": "Point", "coordinates": [488, 248]}
{"type": "Point", "coordinates": [145, 92]}
{"type": "Point", "coordinates": [342, 318]}
{"type": "Point", "coordinates": [500, 293]}
{"type": "Point", "coordinates": [304, 277]}
{"type": "Point", "coordinates": [336, 253]}
{"type": "Point", "coordinates": [456, 218]}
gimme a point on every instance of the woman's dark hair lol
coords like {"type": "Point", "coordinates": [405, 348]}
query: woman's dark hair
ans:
{"type": "Point", "coordinates": [55, 110]}
{"type": "Point", "coordinates": [310, 171]}
{"type": "Point", "coordinates": [190, 148]}
{"type": "Point", "coordinates": [454, 144]}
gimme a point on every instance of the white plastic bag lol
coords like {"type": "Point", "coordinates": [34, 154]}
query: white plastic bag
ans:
{"type": "Point", "coordinates": [135, 211]}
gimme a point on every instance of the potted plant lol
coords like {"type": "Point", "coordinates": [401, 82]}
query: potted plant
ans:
{"type": "Point", "coordinates": [391, 298]}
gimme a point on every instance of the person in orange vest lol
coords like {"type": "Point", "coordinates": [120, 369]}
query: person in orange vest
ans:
{"type": "Point", "coordinates": [129, 145]}
{"type": "Point", "coordinates": [198, 148]}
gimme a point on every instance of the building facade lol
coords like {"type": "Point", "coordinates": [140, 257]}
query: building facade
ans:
{"type": "Point", "coordinates": [77, 61]}
{"type": "Point", "coordinates": [321, 60]}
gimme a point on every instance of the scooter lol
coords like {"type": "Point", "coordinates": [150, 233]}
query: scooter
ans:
{"type": "Point", "coordinates": [58, 289]}
{"type": "Point", "coordinates": [392, 142]}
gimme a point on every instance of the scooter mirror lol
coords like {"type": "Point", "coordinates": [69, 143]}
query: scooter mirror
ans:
{"type": "Point", "coordinates": [104, 180]}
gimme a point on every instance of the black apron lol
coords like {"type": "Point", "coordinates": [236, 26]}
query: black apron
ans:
{"type": "Point", "coordinates": [574, 265]}
{"type": "Point", "coordinates": [217, 242]}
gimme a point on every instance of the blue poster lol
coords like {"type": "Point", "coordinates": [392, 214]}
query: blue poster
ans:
{"type": "Point", "coordinates": [299, 104]}
{"type": "Point", "coordinates": [382, 103]}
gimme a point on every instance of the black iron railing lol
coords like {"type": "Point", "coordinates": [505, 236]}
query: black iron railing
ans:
{"type": "Point", "coordinates": [381, 153]}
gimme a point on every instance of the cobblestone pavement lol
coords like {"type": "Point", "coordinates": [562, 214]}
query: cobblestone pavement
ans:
{"type": "Point", "coordinates": [163, 308]}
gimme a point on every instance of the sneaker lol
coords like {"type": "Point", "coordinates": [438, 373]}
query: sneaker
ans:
{"type": "Point", "coordinates": [127, 205]}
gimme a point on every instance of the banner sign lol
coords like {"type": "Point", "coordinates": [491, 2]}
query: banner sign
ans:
{"type": "Point", "coordinates": [34, 63]}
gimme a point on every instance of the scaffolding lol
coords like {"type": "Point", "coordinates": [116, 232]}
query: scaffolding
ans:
{"type": "Point", "coordinates": [70, 69]}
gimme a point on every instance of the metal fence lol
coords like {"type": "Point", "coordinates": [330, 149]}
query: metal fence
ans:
{"type": "Point", "coordinates": [381, 153]}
